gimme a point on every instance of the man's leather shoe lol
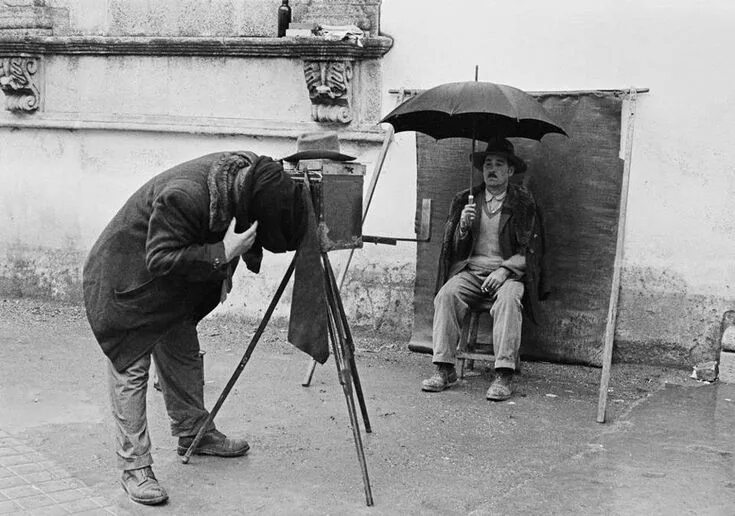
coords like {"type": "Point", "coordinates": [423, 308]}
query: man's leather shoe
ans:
{"type": "Point", "coordinates": [502, 387]}
{"type": "Point", "coordinates": [214, 443]}
{"type": "Point", "coordinates": [444, 377]}
{"type": "Point", "coordinates": [142, 486]}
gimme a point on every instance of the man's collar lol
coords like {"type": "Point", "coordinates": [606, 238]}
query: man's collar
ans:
{"type": "Point", "coordinates": [489, 196]}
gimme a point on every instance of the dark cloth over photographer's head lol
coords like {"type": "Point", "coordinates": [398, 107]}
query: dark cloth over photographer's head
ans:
{"type": "Point", "coordinates": [307, 324]}
{"type": "Point", "coordinates": [256, 188]}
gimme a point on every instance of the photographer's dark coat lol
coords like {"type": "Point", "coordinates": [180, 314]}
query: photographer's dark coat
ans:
{"type": "Point", "coordinates": [521, 232]}
{"type": "Point", "coordinates": [161, 259]}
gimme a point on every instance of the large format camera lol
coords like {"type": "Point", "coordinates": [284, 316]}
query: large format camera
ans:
{"type": "Point", "coordinates": [337, 194]}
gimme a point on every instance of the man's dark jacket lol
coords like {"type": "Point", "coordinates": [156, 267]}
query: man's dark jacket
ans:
{"type": "Point", "coordinates": [161, 259]}
{"type": "Point", "coordinates": [521, 232]}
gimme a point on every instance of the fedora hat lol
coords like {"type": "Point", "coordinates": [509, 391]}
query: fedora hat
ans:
{"type": "Point", "coordinates": [502, 147]}
{"type": "Point", "coordinates": [324, 145]}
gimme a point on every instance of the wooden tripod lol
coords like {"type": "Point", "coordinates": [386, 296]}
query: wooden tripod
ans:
{"type": "Point", "coordinates": [343, 349]}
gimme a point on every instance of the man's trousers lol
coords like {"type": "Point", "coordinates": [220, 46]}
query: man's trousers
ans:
{"type": "Point", "coordinates": [454, 300]}
{"type": "Point", "coordinates": [181, 377]}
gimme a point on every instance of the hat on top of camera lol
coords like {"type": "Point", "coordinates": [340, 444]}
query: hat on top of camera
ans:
{"type": "Point", "coordinates": [322, 145]}
{"type": "Point", "coordinates": [501, 147]}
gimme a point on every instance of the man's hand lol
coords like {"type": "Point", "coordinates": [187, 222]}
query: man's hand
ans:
{"type": "Point", "coordinates": [494, 281]}
{"type": "Point", "coordinates": [467, 217]}
{"type": "Point", "coordinates": [237, 244]}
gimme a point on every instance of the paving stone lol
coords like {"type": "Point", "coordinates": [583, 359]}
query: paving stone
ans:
{"type": "Point", "coordinates": [5, 472]}
{"type": "Point", "coordinates": [83, 504]}
{"type": "Point", "coordinates": [14, 460]}
{"type": "Point", "coordinates": [8, 450]}
{"type": "Point", "coordinates": [16, 493]}
{"type": "Point", "coordinates": [50, 510]}
{"type": "Point", "coordinates": [100, 500]}
{"type": "Point", "coordinates": [9, 441]}
{"type": "Point", "coordinates": [59, 485]}
{"type": "Point", "coordinates": [33, 502]}
{"type": "Point", "coordinates": [58, 473]}
{"type": "Point", "coordinates": [22, 469]}
{"type": "Point", "coordinates": [8, 507]}
{"type": "Point", "coordinates": [37, 477]}
{"type": "Point", "coordinates": [23, 449]}
{"type": "Point", "coordinates": [94, 512]}
{"type": "Point", "coordinates": [68, 495]}
{"type": "Point", "coordinates": [8, 482]}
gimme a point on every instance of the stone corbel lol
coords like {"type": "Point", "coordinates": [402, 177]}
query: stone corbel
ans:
{"type": "Point", "coordinates": [330, 87]}
{"type": "Point", "coordinates": [18, 81]}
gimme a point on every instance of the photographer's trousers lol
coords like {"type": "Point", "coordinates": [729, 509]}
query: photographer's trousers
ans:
{"type": "Point", "coordinates": [180, 375]}
{"type": "Point", "coordinates": [454, 300]}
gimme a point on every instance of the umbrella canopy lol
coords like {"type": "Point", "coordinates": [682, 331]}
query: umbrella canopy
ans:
{"type": "Point", "coordinates": [472, 109]}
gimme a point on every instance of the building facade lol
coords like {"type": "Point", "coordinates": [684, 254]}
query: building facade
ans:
{"type": "Point", "coordinates": [100, 96]}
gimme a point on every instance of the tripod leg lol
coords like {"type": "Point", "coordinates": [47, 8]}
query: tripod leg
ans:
{"type": "Point", "coordinates": [344, 373]}
{"type": "Point", "coordinates": [350, 350]}
{"type": "Point", "coordinates": [243, 362]}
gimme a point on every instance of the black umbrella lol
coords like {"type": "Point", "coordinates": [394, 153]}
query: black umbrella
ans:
{"type": "Point", "coordinates": [473, 109]}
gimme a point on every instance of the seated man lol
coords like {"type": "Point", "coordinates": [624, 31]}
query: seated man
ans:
{"type": "Point", "coordinates": [484, 265]}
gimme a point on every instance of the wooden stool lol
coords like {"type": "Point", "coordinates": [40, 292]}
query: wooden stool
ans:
{"type": "Point", "coordinates": [469, 350]}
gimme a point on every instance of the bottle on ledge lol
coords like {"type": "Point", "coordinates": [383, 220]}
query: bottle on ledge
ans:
{"type": "Point", "coordinates": [284, 18]}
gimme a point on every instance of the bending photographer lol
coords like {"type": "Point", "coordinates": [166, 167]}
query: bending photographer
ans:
{"type": "Point", "coordinates": [163, 263]}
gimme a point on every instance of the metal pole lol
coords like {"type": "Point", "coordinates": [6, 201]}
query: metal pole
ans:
{"type": "Point", "coordinates": [615, 289]}
{"type": "Point", "coordinates": [243, 362]}
{"type": "Point", "coordinates": [471, 198]}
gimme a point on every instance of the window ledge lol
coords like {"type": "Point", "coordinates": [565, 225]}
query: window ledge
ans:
{"type": "Point", "coordinates": [287, 47]}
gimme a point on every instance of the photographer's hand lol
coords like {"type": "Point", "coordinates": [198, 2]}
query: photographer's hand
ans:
{"type": "Point", "coordinates": [237, 244]}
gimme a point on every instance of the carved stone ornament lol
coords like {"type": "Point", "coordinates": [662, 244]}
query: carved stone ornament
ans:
{"type": "Point", "coordinates": [329, 84]}
{"type": "Point", "coordinates": [18, 83]}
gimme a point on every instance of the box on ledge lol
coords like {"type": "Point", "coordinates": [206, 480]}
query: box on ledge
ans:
{"type": "Point", "coordinates": [727, 366]}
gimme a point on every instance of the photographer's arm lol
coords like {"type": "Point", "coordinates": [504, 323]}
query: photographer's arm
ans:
{"type": "Point", "coordinates": [174, 224]}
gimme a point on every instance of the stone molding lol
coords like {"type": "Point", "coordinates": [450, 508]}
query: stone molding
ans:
{"type": "Point", "coordinates": [304, 48]}
{"type": "Point", "coordinates": [330, 86]}
{"type": "Point", "coordinates": [182, 125]}
{"type": "Point", "coordinates": [18, 81]}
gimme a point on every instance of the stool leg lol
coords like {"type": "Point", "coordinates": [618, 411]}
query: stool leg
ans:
{"type": "Point", "coordinates": [462, 345]}
{"type": "Point", "coordinates": [472, 338]}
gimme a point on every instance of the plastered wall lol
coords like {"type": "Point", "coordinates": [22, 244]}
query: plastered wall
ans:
{"type": "Point", "coordinates": [679, 275]}
{"type": "Point", "coordinates": [60, 186]}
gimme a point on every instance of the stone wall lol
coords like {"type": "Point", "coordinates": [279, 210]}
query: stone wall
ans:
{"type": "Point", "coordinates": [100, 96]}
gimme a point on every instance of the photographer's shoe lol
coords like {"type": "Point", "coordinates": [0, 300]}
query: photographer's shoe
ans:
{"type": "Point", "coordinates": [142, 487]}
{"type": "Point", "coordinates": [502, 387]}
{"type": "Point", "coordinates": [444, 377]}
{"type": "Point", "coordinates": [214, 443]}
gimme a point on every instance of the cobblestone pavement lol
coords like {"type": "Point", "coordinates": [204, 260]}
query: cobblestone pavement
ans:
{"type": "Point", "coordinates": [32, 485]}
